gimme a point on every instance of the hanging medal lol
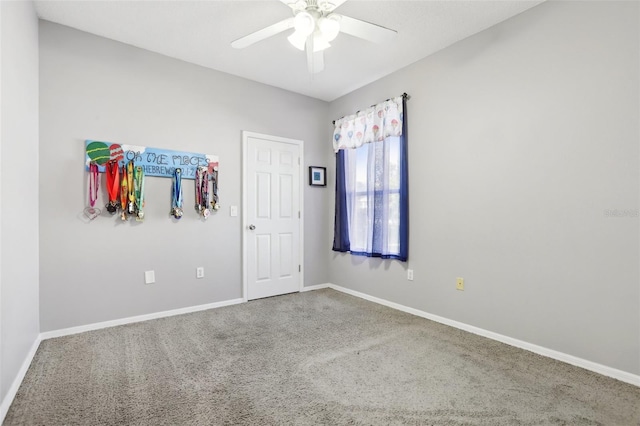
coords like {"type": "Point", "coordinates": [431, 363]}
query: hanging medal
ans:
{"type": "Point", "coordinates": [113, 185]}
{"type": "Point", "coordinates": [138, 180]}
{"type": "Point", "coordinates": [202, 191]}
{"type": "Point", "coordinates": [215, 203]}
{"type": "Point", "coordinates": [131, 206]}
{"type": "Point", "coordinates": [205, 192]}
{"type": "Point", "coordinates": [92, 212]}
{"type": "Point", "coordinates": [198, 186]}
{"type": "Point", "coordinates": [176, 194]}
{"type": "Point", "coordinates": [124, 192]}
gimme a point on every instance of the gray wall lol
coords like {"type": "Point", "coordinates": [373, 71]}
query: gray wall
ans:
{"type": "Point", "coordinates": [94, 88]}
{"type": "Point", "coordinates": [19, 190]}
{"type": "Point", "coordinates": [520, 139]}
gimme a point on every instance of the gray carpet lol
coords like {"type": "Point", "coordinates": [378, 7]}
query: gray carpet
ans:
{"type": "Point", "coordinates": [316, 358]}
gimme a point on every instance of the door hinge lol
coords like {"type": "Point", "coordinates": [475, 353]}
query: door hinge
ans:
{"type": "Point", "coordinates": [299, 268]}
{"type": "Point", "coordinates": [298, 214]}
{"type": "Point", "coordinates": [298, 161]}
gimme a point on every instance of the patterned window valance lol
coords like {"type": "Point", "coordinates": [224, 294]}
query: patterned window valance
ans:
{"type": "Point", "coordinates": [373, 124]}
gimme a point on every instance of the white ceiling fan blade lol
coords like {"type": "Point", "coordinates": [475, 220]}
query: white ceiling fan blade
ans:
{"type": "Point", "coordinates": [262, 34]}
{"type": "Point", "coordinates": [366, 30]}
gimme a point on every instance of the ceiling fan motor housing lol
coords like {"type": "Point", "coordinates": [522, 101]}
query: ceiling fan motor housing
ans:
{"type": "Point", "coordinates": [309, 5]}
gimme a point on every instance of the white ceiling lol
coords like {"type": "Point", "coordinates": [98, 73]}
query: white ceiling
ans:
{"type": "Point", "coordinates": [201, 32]}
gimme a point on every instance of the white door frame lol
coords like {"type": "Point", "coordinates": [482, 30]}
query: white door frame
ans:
{"type": "Point", "coordinates": [245, 144]}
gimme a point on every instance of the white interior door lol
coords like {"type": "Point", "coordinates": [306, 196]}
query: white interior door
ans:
{"type": "Point", "coordinates": [272, 216]}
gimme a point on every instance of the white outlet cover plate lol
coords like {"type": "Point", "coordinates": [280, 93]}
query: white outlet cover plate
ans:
{"type": "Point", "coordinates": [149, 277]}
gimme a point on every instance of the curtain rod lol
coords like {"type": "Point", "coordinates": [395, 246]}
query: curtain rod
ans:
{"type": "Point", "coordinates": [404, 96]}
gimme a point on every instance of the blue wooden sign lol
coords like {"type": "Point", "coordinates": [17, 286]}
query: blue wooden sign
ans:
{"type": "Point", "coordinates": [155, 161]}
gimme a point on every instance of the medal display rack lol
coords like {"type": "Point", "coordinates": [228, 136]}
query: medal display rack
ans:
{"type": "Point", "coordinates": [126, 168]}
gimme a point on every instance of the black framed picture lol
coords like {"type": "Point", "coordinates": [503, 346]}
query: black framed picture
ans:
{"type": "Point", "coordinates": [317, 176]}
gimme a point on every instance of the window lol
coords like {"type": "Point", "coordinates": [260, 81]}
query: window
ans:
{"type": "Point", "coordinates": [371, 198]}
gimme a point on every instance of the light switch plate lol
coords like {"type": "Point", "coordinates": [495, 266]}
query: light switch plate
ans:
{"type": "Point", "coordinates": [233, 211]}
{"type": "Point", "coordinates": [149, 277]}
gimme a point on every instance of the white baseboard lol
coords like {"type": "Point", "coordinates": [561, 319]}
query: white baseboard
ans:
{"type": "Point", "coordinates": [13, 390]}
{"type": "Point", "coordinates": [316, 287]}
{"type": "Point", "coordinates": [139, 318]}
{"type": "Point", "coordinates": [550, 353]}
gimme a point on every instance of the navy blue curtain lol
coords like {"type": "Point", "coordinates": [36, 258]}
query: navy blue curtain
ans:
{"type": "Point", "coordinates": [341, 222]}
{"type": "Point", "coordinates": [404, 187]}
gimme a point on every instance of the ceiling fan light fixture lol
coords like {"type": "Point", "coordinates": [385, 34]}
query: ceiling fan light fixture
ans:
{"type": "Point", "coordinates": [304, 23]}
{"type": "Point", "coordinates": [329, 26]}
{"type": "Point", "coordinates": [297, 40]}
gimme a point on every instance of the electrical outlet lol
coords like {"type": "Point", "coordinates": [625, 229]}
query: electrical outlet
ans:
{"type": "Point", "coordinates": [410, 274]}
{"type": "Point", "coordinates": [149, 277]}
{"type": "Point", "coordinates": [199, 272]}
{"type": "Point", "coordinates": [460, 284]}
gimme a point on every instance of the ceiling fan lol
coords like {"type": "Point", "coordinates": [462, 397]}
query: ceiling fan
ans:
{"type": "Point", "coordinates": [316, 25]}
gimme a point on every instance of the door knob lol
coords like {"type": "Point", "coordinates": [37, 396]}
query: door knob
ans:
{"type": "Point", "coordinates": [252, 227]}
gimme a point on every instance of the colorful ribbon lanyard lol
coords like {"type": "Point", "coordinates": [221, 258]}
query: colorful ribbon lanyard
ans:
{"type": "Point", "coordinates": [202, 191]}
{"type": "Point", "coordinates": [138, 179]}
{"type": "Point", "coordinates": [176, 193]}
{"type": "Point", "coordinates": [204, 187]}
{"type": "Point", "coordinates": [91, 212]}
{"type": "Point", "coordinates": [198, 192]}
{"type": "Point", "coordinates": [113, 185]}
{"type": "Point", "coordinates": [123, 192]}
{"type": "Point", "coordinates": [215, 202]}
{"type": "Point", "coordinates": [132, 194]}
